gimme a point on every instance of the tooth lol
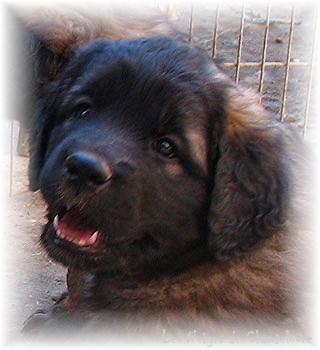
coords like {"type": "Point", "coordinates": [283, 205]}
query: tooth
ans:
{"type": "Point", "coordinates": [75, 241]}
{"type": "Point", "coordinates": [60, 234]}
{"type": "Point", "coordinates": [93, 238]}
{"type": "Point", "coordinates": [56, 222]}
{"type": "Point", "coordinates": [82, 242]}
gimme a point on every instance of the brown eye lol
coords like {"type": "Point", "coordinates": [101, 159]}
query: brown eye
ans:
{"type": "Point", "coordinates": [166, 147]}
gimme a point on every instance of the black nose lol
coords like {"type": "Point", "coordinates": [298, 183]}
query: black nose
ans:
{"type": "Point", "coordinates": [88, 169]}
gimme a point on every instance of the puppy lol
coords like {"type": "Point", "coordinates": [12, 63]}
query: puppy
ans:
{"type": "Point", "coordinates": [169, 193]}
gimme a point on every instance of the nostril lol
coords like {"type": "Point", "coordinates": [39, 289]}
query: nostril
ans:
{"type": "Point", "coordinates": [87, 168]}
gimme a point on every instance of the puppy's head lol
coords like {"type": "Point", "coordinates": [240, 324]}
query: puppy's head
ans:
{"type": "Point", "coordinates": [149, 158]}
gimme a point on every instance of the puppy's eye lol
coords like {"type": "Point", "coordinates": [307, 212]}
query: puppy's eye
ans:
{"type": "Point", "coordinates": [166, 147]}
{"type": "Point", "coordinates": [81, 111]}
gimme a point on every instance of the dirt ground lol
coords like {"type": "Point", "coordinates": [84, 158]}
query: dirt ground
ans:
{"type": "Point", "coordinates": [32, 280]}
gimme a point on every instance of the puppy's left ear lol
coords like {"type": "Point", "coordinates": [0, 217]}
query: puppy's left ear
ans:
{"type": "Point", "coordinates": [251, 185]}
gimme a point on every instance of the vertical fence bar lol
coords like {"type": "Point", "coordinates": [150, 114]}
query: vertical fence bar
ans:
{"type": "Point", "coordinates": [264, 52]}
{"type": "Point", "coordinates": [286, 77]}
{"type": "Point", "coordinates": [11, 158]}
{"type": "Point", "coordinates": [191, 23]}
{"type": "Point", "coordinates": [313, 56]}
{"type": "Point", "coordinates": [215, 31]}
{"type": "Point", "coordinates": [240, 41]}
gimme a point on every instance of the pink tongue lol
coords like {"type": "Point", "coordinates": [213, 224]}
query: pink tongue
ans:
{"type": "Point", "coordinates": [73, 231]}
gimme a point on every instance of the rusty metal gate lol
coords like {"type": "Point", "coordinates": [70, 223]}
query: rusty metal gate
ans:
{"type": "Point", "coordinates": [230, 33]}
{"type": "Point", "coordinates": [287, 63]}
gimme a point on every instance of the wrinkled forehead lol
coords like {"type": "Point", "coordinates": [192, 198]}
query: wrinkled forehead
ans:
{"type": "Point", "coordinates": [143, 64]}
{"type": "Point", "coordinates": [139, 90]}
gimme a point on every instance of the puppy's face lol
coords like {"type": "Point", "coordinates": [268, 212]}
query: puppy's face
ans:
{"type": "Point", "coordinates": [147, 163]}
{"type": "Point", "coordinates": [126, 163]}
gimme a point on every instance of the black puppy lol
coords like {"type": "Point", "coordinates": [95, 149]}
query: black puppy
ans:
{"type": "Point", "coordinates": [167, 185]}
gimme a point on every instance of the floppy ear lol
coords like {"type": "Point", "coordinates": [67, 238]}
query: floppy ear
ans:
{"type": "Point", "coordinates": [41, 64]}
{"type": "Point", "coordinates": [39, 136]}
{"type": "Point", "coordinates": [251, 185]}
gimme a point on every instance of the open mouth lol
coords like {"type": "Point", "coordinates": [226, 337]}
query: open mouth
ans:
{"type": "Point", "coordinates": [71, 227]}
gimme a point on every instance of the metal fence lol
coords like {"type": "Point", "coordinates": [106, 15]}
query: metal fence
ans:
{"type": "Point", "coordinates": [261, 62]}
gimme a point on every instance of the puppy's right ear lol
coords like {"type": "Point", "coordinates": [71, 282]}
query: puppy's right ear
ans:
{"type": "Point", "coordinates": [47, 66]}
{"type": "Point", "coordinates": [40, 61]}
{"type": "Point", "coordinates": [39, 137]}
